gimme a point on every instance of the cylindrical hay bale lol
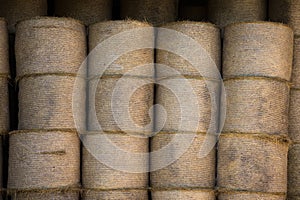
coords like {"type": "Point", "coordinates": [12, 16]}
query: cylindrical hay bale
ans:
{"type": "Point", "coordinates": [294, 172]}
{"type": "Point", "coordinates": [46, 160]}
{"type": "Point", "coordinates": [256, 105]}
{"type": "Point", "coordinates": [126, 63]}
{"type": "Point", "coordinates": [46, 102]}
{"type": "Point", "coordinates": [258, 49]}
{"type": "Point", "coordinates": [294, 116]}
{"type": "Point", "coordinates": [16, 10]}
{"type": "Point", "coordinates": [252, 163]}
{"type": "Point", "coordinates": [115, 195]}
{"type": "Point", "coordinates": [249, 196]}
{"type": "Point", "coordinates": [286, 11]}
{"type": "Point", "coordinates": [87, 11]}
{"type": "Point", "coordinates": [111, 106]}
{"type": "Point", "coordinates": [227, 12]}
{"type": "Point", "coordinates": [183, 194]}
{"type": "Point", "coordinates": [4, 58]}
{"type": "Point", "coordinates": [97, 175]}
{"type": "Point", "coordinates": [44, 194]}
{"type": "Point", "coordinates": [173, 94]}
{"type": "Point", "coordinates": [192, 12]}
{"type": "Point", "coordinates": [49, 45]}
{"type": "Point", "coordinates": [205, 34]}
{"type": "Point", "coordinates": [154, 11]}
{"type": "Point", "coordinates": [189, 171]}
{"type": "Point", "coordinates": [296, 64]}
{"type": "Point", "coordinates": [4, 103]}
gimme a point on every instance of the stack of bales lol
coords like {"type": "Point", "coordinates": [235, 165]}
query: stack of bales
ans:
{"type": "Point", "coordinates": [252, 151]}
{"type": "Point", "coordinates": [118, 63]}
{"type": "Point", "coordinates": [4, 75]}
{"type": "Point", "coordinates": [186, 176]}
{"type": "Point", "coordinates": [192, 10]}
{"type": "Point", "coordinates": [287, 11]}
{"type": "Point", "coordinates": [44, 154]}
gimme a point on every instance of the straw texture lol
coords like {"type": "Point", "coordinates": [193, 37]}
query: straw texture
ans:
{"type": "Point", "coordinates": [43, 160]}
{"type": "Point", "coordinates": [37, 195]}
{"type": "Point", "coordinates": [189, 171]}
{"type": "Point", "coordinates": [183, 194]}
{"type": "Point", "coordinates": [154, 11]}
{"type": "Point", "coordinates": [258, 49]}
{"type": "Point", "coordinates": [256, 105]}
{"type": "Point", "coordinates": [167, 98]}
{"type": "Point", "coordinates": [294, 171]}
{"type": "Point", "coordinates": [4, 109]}
{"type": "Point", "coordinates": [96, 175]}
{"type": "Point", "coordinates": [102, 31]}
{"type": "Point", "coordinates": [296, 64]}
{"type": "Point", "coordinates": [249, 196]}
{"type": "Point", "coordinates": [294, 116]}
{"type": "Point", "coordinates": [222, 12]}
{"type": "Point", "coordinates": [49, 45]}
{"type": "Point", "coordinates": [16, 10]}
{"type": "Point", "coordinates": [286, 11]}
{"type": "Point", "coordinates": [192, 12]}
{"type": "Point", "coordinates": [252, 163]}
{"type": "Point", "coordinates": [87, 11]}
{"type": "Point", "coordinates": [45, 102]}
{"type": "Point", "coordinates": [206, 34]}
{"type": "Point", "coordinates": [115, 195]}
{"type": "Point", "coordinates": [4, 58]}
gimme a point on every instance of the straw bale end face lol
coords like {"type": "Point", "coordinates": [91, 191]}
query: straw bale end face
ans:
{"type": "Point", "coordinates": [183, 194]}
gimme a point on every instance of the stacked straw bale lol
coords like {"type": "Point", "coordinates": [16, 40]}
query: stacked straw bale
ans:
{"type": "Point", "coordinates": [99, 180]}
{"type": "Point", "coordinates": [223, 13]}
{"type": "Point", "coordinates": [257, 69]}
{"type": "Point", "coordinates": [18, 10]}
{"type": "Point", "coordinates": [89, 12]}
{"type": "Point", "coordinates": [287, 11]}
{"type": "Point", "coordinates": [189, 177]}
{"type": "Point", "coordinates": [156, 12]}
{"type": "Point", "coordinates": [44, 156]}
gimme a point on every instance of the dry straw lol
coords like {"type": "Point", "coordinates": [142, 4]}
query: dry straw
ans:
{"type": "Point", "coordinates": [286, 11]}
{"type": "Point", "coordinates": [189, 171]}
{"type": "Point", "coordinates": [258, 49]}
{"type": "Point", "coordinates": [256, 105]}
{"type": "Point", "coordinates": [222, 12]}
{"type": "Point", "coordinates": [294, 172]}
{"type": "Point", "coordinates": [205, 34]}
{"type": "Point", "coordinates": [254, 163]}
{"type": "Point", "coordinates": [88, 11]}
{"type": "Point", "coordinates": [4, 58]}
{"type": "Point", "coordinates": [46, 102]}
{"type": "Point", "coordinates": [249, 196]}
{"type": "Point", "coordinates": [102, 31]}
{"type": "Point", "coordinates": [16, 10]}
{"type": "Point", "coordinates": [296, 64]}
{"type": "Point", "coordinates": [97, 175]}
{"type": "Point", "coordinates": [183, 194]}
{"type": "Point", "coordinates": [4, 109]}
{"type": "Point", "coordinates": [294, 116]}
{"type": "Point", "coordinates": [207, 106]}
{"type": "Point", "coordinates": [156, 12]}
{"type": "Point", "coordinates": [43, 159]}
{"type": "Point", "coordinates": [49, 45]}
{"type": "Point", "coordinates": [115, 195]}
{"type": "Point", "coordinates": [44, 194]}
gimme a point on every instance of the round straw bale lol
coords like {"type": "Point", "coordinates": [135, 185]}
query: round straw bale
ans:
{"type": "Point", "coordinates": [252, 163]}
{"type": "Point", "coordinates": [249, 196]}
{"type": "Point", "coordinates": [97, 175]}
{"type": "Point", "coordinates": [46, 102]}
{"type": "Point", "coordinates": [49, 45]}
{"type": "Point", "coordinates": [87, 11]}
{"type": "Point", "coordinates": [296, 64]}
{"type": "Point", "coordinates": [154, 11]}
{"type": "Point", "coordinates": [205, 34]}
{"type": "Point", "coordinates": [43, 160]}
{"type": "Point", "coordinates": [44, 194]}
{"type": "Point", "coordinates": [294, 116]}
{"type": "Point", "coordinates": [222, 12]}
{"type": "Point", "coordinates": [189, 171]}
{"type": "Point", "coordinates": [294, 171]}
{"type": "Point", "coordinates": [100, 32]}
{"type": "Point", "coordinates": [4, 58]}
{"type": "Point", "coordinates": [115, 195]}
{"type": "Point", "coordinates": [256, 105]}
{"type": "Point", "coordinates": [4, 109]}
{"type": "Point", "coordinates": [258, 49]}
{"type": "Point", "coordinates": [183, 194]}
{"type": "Point", "coordinates": [16, 10]}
